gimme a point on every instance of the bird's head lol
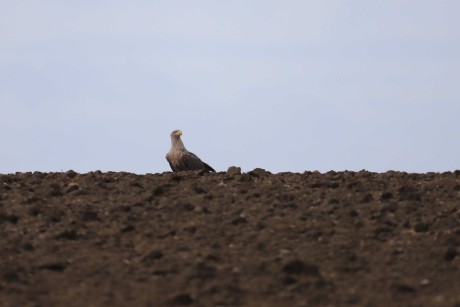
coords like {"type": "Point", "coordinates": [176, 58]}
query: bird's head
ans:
{"type": "Point", "coordinates": [176, 134]}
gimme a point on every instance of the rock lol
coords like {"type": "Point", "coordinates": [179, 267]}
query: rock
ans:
{"type": "Point", "coordinates": [71, 174]}
{"type": "Point", "coordinates": [233, 171]}
{"type": "Point", "coordinates": [259, 172]}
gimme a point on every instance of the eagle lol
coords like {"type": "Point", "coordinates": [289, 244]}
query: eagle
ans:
{"type": "Point", "coordinates": [180, 159]}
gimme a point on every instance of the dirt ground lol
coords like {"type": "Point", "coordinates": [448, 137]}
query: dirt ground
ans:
{"type": "Point", "coordinates": [230, 239]}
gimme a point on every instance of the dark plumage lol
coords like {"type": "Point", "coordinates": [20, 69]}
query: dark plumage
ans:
{"type": "Point", "coordinates": [180, 159]}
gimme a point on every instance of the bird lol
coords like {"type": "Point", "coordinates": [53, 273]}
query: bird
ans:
{"type": "Point", "coordinates": [180, 159]}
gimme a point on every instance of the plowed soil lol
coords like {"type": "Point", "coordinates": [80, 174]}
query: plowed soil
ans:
{"type": "Point", "coordinates": [230, 239]}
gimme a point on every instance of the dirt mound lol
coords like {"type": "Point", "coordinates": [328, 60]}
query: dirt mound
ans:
{"type": "Point", "coordinates": [230, 239]}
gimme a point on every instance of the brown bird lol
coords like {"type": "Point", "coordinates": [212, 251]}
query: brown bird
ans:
{"type": "Point", "coordinates": [180, 159]}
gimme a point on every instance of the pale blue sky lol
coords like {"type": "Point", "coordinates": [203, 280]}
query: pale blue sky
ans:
{"type": "Point", "coordinates": [281, 85]}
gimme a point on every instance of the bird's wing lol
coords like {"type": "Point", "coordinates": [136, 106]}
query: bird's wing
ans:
{"type": "Point", "coordinates": [191, 161]}
{"type": "Point", "coordinates": [174, 169]}
{"type": "Point", "coordinates": [197, 162]}
{"type": "Point", "coordinates": [209, 168]}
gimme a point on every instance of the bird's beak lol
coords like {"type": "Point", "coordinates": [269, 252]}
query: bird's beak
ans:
{"type": "Point", "coordinates": [179, 132]}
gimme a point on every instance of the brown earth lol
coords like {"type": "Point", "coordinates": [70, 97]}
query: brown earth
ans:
{"type": "Point", "coordinates": [230, 239]}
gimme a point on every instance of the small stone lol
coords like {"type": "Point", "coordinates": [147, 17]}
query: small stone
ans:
{"type": "Point", "coordinates": [386, 196]}
{"type": "Point", "coordinates": [181, 299]}
{"type": "Point", "coordinates": [188, 206]}
{"type": "Point", "coordinates": [284, 252]}
{"type": "Point", "coordinates": [425, 282]}
{"type": "Point", "coordinates": [90, 216]}
{"type": "Point", "coordinates": [439, 299]}
{"type": "Point", "coordinates": [159, 190]}
{"type": "Point", "coordinates": [198, 209]}
{"type": "Point", "coordinates": [422, 227]}
{"type": "Point", "coordinates": [56, 266]}
{"type": "Point", "coordinates": [367, 198]}
{"type": "Point", "coordinates": [153, 255]}
{"type": "Point", "coordinates": [67, 235]}
{"type": "Point", "coordinates": [450, 254]}
{"type": "Point", "coordinates": [54, 190]}
{"type": "Point", "coordinates": [299, 267]}
{"type": "Point", "coordinates": [72, 187]}
{"type": "Point", "coordinates": [403, 288]}
{"type": "Point", "coordinates": [238, 221]}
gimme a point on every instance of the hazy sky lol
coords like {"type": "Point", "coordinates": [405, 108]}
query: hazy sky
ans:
{"type": "Point", "coordinates": [281, 85]}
